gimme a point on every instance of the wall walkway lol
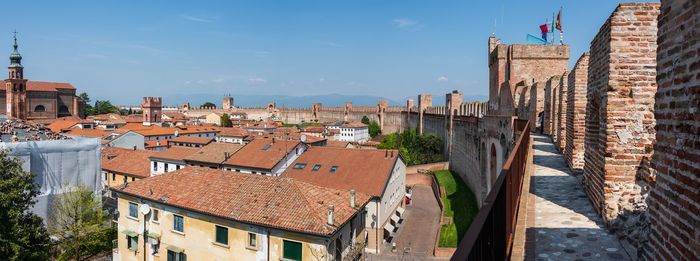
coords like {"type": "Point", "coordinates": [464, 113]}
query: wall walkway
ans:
{"type": "Point", "coordinates": [561, 223]}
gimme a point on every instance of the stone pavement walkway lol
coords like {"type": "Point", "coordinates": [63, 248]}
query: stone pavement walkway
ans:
{"type": "Point", "coordinates": [415, 239]}
{"type": "Point", "coordinates": [564, 225]}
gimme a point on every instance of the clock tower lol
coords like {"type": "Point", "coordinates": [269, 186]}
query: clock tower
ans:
{"type": "Point", "coordinates": [16, 86]}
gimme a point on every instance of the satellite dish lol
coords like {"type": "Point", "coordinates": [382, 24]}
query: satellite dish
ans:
{"type": "Point", "coordinates": [303, 138]}
{"type": "Point", "coordinates": [145, 209]}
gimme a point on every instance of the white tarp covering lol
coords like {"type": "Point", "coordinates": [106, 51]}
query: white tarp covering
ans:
{"type": "Point", "coordinates": [58, 166]}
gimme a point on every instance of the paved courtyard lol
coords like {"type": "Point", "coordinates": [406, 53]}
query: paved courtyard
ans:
{"type": "Point", "coordinates": [415, 239]}
{"type": "Point", "coordinates": [565, 225]}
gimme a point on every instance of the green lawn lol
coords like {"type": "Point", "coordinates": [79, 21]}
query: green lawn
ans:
{"type": "Point", "coordinates": [459, 203]}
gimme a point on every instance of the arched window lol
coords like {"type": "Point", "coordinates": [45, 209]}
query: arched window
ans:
{"type": "Point", "coordinates": [13, 74]}
{"type": "Point", "coordinates": [39, 108]}
{"type": "Point", "coordinates": [21, 87]}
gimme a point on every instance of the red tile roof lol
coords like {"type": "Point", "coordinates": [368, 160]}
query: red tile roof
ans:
{"type": "Point", "coordinates": [156, 143]}
{"type": "Point", "coordinates": [214, 152]}
{"type": "Point", "coordinates": [192, 140]}
{"type": "Point", "coordinates": [275, 202]}
{"type": "Point", "coordinates": [35, 86]}
{"type": "Point", "coordinates": [367, 171]}
{"type": "Point", "coordinates": [233, 132]}
{"type": "Point", "coordinates": [126, 161]}
{"type": "Point", "coordinates": [175, 153]}
{"type": "Point", "coordinates": [94, 133]}
{"type": "Point", "coordinates": [254, 154]}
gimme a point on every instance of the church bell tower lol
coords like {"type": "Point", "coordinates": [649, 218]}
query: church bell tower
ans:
{"type": "Point", "coordinates": [16, 86]}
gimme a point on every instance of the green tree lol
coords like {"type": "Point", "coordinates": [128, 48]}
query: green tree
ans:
{"type": "Point", "coordinates": [365, 120]}
{"type": "Point", "coordinates": [77, 220]}
{"type": "Point", "coordinates": [226, 121]}
{"type": "Point", "coordinates": [416, 148]}
{"type": "Point", "coordinates": [22, 233]}
{"type": "Point", "coordinates": [102, 107]}
{"type": "Point", "coordinates": [374, 129]}
{"type": "Point", "coordinates": [89, 110]}
{"type": "Point", "coordinates": [209, 104]}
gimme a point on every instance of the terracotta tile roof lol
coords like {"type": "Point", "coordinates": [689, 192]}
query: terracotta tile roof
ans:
{"type": "Point", "coordinates": [315, 129]}
{"type": "Point", "coordinates": [45, 86]}
{"type": "Point", "coordinates": [262, 153]}
{"type": "Point", "coordinates": [366, 171]}
{"type": "Point", "coordinates": [155, 143]}
{"type": "Point", "coordinates": [337, 144]}
{"type": "Point", "coordinates": [275, 202]}
{"type": "Point", "coordinates": [233, 132]}
{"type": "Point", "coordinates": [353, 125]}
{"type": "Point", "coordinates": [175, 153]}
{"type": "Point", "coordinates": [63, 123]}
{"type": "Point", "coordinates": [192, 140]}
{"type": "Point", "coordinates": [214, 152]}
{"type": "Point", "coordinates": [95, 133]}
{"type": "Point", "coordinates": [134, 163]}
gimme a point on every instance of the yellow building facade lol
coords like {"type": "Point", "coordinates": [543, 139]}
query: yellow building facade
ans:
{"type": "Point", "coordinates": [175, 233]}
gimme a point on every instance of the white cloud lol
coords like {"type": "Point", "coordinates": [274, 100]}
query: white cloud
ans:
{"type": "Point", "coordinates": [197, 19]}
{"type": "Point", "coordinates": [257, 80]}
{"type": "Point", "coordinates": [405, 23]}
{"type": "Point", "coordinates": [322, 79]}
{"type": "Point", "coordinates": [442, 79]}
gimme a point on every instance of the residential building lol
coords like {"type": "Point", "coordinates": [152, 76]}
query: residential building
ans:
{"type": "Point", "coordinates": [265, 156]}
{"type": "Point", "coordinates": [127, 140]}
{"type": "Point", "coordinates": [190, 141]}
{"type": "Point", "coordinates": [121, 165]}
{"type": "Point", "coordinates": [353, 132]}
{"type": "Point", "coordinates": [381, 174]}
{"type": "Point", "coordinates": [234, 135]}
{"type": "Point", "coordinates": [213, 155]}
{"type": "Point", "coordinates": [169, 160]}
{"type": "Point", "coordinates": [207, 214]}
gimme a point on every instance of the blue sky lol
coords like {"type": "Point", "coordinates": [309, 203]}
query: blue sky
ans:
{"type": "Point", "coordinates": [122, 50]}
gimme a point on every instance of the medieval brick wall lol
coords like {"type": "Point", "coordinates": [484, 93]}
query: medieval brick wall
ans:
{"type": "Point", "coordinates": [620, 117]}
{"type": "Point", "coordinates": [547, 116]}
{"type": "Point", "coordinates": [674, 202]}
{"type": "Point", "coordinates": [560, 108]}
{"type": "Point", "coordinates": [464, 159]}
{"type": "Point", "coordinates": [576, 114]}
{"type": "Point", "coordinates": [536, 104]}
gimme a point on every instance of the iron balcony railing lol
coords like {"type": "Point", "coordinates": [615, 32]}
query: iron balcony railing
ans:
{"type": "Point", "coordinates": [490, 236]}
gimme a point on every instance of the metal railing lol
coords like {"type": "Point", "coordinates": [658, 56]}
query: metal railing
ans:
{"type": "Point", "coordinates": [490, 236]}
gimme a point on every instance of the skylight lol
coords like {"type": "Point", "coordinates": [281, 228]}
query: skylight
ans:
{"type": "Point", "coordinates": [266, 147]}
{"type": "Point", "coordinates": [316, 167]}
{"type": "Point", "coordinates": [333, 169]}
{"type": "Point", "coordinates": [300, 166]}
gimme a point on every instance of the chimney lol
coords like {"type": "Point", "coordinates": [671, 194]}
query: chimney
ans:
{"type": "Point", "coordinates": [352, 198]}
{"type": "Point", "coordinates": [392, 153]}
{"type": "Point", "coordinates": [273, 140]}
{"type": "Point", "coordinates": [386, 154]}
{"type": "Point", "coordinates": [331, 209]}
{"type": "Point", "coordinates": [134, 147]}
{"type": "Point", "coordinates": [226, 155]}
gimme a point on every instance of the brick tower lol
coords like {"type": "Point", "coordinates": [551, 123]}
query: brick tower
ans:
{"type": "Point", "coordinates": [151, 107]}
{"type": "Point", "coordinates": [16, 86]}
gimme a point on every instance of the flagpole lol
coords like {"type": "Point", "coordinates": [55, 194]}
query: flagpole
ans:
{"type": "Point", "coordinates": [561, 31]}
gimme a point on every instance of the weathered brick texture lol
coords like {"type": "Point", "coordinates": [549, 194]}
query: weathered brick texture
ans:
{"type": "Point", "coordinates": [620, 117]}
{"type": "Point", "coordinates": [560, 111]}
{"type": "Point", "coordinates": [576, 114]}
{"type": "Point", "coordinates": [674, 202]}
{"type": "Point", "coordinates": [536, 104]}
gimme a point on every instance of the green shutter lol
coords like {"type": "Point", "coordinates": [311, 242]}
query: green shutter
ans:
{"type": "Point", "coordinates": [221, 235]}
{"type": "Point", "coordinates": [292, 250]}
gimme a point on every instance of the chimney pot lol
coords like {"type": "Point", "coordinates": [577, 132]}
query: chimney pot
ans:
{"type": "Point", "coordinates": [352, 198]}
{"type": "Point", "coordinates": [331, 210]}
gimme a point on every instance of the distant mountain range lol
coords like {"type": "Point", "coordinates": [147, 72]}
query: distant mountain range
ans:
{"type": "Point", "coordinates": [251, 100]}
